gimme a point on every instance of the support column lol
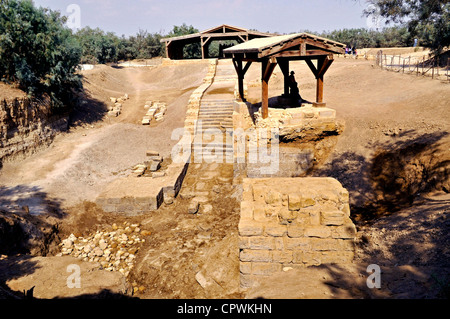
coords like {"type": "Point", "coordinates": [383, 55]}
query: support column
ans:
{"type": "Point", "coordinates": [241, 73]}
{"type": "Point", "coordinates": [323, 63]}
{"type": "Point", "coordinates": [267, 68]}
{"type": "Point", "coordinates": [284, 66]}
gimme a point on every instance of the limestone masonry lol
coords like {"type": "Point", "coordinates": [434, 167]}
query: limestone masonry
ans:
{"type": "Point", "coordinates": [293, 222]}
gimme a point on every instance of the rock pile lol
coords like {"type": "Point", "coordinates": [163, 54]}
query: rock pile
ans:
{"type": "Point", "coordinates": [114, 250]}
{"type": "Point", "coordinates": [116, 109]}
{"type": "Point", "coordinates": [152, 165]}
{"type": "Point", "coordinates": [155, 111]}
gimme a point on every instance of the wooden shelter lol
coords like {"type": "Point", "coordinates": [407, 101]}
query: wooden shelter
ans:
{"type": "Point", "coordinates": [280, 50]}
{"type": "Point", "coordinates": [175, 45]}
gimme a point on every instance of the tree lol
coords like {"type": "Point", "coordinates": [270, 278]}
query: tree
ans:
{"type": "Point", "coordinates": [190, 51]}
{"type": "Point", "coordinates": [429, 20]}
{"type": "Point", "coordinates": [97, 46]}
{"type": "Point", "coordinates": [38, 52]}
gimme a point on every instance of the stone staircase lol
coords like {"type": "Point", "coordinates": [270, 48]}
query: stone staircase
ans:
{"type": "Point", "coordinates": [213, 136]}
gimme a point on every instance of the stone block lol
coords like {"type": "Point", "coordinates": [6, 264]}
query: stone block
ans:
{"type": "Point", "coordinates": [255, 255]}
{"type": "Point", "coordinates": [250, 228]}
{"type": "Point", "coordinates": [320, 244]}
{"type": "Point", "coordinates": [275, 230]}
{"type": "Point", "coordinates": [282, 256]}
{"type": "Point", "coordinates": [246, 211]}
{"type": "Point", "coordinates": [314, 217]}
{"type": "Point", "coordinates": [145, 121]}
{"type": "Point", "coordinates": [327, 113]}
{"type": "Point", "coordinates": [318, 231]}
{"type": "Point", "coordinates": [244, 242]}
{"type": "Point", "coordinates": [247, 281]}
{"type": "Point", "coordinates": [152, 153]}
{"type": "Point", "coordinates": [194, 205]}
{"type": "Point", "coordinates": [296, 201]}
{"type": "Point", "coordinates": [332, 218]}
{"type": "Point", "coordinates": [155, 158]}
{"type": "Point", "coordinates": [273, 198]}
{"type": "Point", "coordinates": [261, 242]}
{"type": "Point", "coordinates": [258, 193]}
{"type": "Point", "coordinates": [245, 268]}
{"type": "Point", "coordinates": [347, 231]}
{"type": "Point", "coordinates": [336, 257]}
{"type": "Point", "coordinates": [298, 243]}
{"type": "Point", "coordinates": [295, 231]}
{"type": "Point", "coordinates": [310, 258]}
{"type": "Point", "coordinates": [153, 166]}
{"type": "Point", "coordinates": [264, 268]}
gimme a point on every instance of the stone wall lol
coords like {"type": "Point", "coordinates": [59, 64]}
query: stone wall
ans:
{"type": "Point", "coordinates": [293, 222]}
{"type": "Point", "coordinates": [26, 125]}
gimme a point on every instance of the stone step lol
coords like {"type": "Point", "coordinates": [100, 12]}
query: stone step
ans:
{"type": "Point", "coordinates": [216, 107]}
{"type": "Point", "coordinates": [227, 102]}
{"type": "Point", "coordinates": [210, 119]}
{"type": "Point", "coordinates": [216, 111]}
{"type": "Point", "coordinates": [214, 125]}
{"type": "Point", "coordinates": [225, 147]}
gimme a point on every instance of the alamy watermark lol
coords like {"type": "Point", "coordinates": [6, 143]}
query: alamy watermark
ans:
{"type": "Point", "coordinates": [213, 145]}
{"type": "Point", "coordinates": [74, 17]}
{"type": "Point", "coordinates": [74, 279]}
{"type": "Point", "coordinates": [374, 280]}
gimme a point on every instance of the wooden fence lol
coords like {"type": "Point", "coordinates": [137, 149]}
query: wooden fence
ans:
{"type": "Point", "coordinates": [436, 67]}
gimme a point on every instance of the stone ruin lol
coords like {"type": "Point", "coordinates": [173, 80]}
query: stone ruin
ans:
{"type": "Point", "coordinates": [155, 111]}
{"type": "Point", "coordinates": [115, 109]}
{"type": "Point", "coordinates": [293, 222]}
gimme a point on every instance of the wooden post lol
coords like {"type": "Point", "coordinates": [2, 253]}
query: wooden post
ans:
{"type": "Point", "coordinates": [432, 69]}
{"type": "Point", "coordinates": [266, 71]}
{"type": "Point", "coordinates": [284, 66]}
{"type": "Point", "coordinates": [241, 73]}
{"type": "Point", "coordinates": [202, 47]}
{"type": "Point", "coordinates": [319, 90]}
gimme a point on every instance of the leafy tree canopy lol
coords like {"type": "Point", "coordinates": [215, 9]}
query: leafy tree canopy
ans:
{"type": "Point", "coordinates": [427, 19]}
{"type": "Point", "coordinates": [37, 51]}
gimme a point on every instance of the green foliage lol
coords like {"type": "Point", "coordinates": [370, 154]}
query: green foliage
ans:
{"type": "Point", "coordinates": [97, 46]}
{"type": "Point", "coordinates": [428, 20]}
{"type": "Point", "coordinates": [365, 38]}
{"type": "Point", "coordinates": [192, 50]}
{"type": "Point", "coordinates": [37, 51]}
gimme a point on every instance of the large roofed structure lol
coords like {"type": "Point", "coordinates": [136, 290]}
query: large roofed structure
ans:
{"type": "Point", "coordinates": [274, 50]}
{"type": "Point", "coordinates": [175, 45]}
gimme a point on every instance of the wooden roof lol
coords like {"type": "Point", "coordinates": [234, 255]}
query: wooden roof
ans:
{"type": "Point", "coordinates": [290, 45]}
{"type": "Point", "coordinates": [223, 30]}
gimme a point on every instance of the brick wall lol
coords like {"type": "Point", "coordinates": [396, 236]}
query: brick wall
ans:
{"type": "Point", "coordinates": [293, 222]}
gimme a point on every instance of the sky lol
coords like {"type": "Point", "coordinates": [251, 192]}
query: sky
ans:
{"type": "Point", "coordinates": [160, 16]}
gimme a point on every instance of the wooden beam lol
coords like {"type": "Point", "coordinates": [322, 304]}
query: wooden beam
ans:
{"type": "Point", "coordinates": [325, 65]}
{"type": "Point", "coordinates": [299, 53]}
{"type": "Point", "coordinates": [280, 47]}
{"type": "Point", "coordinates": [312, 67]}
{"type": "Point", "coordinates": [247, 65]}
{"type": "Point", "coordinates": [325, 46]}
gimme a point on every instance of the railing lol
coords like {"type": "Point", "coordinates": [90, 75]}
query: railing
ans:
{"type": "Point", "coordinates": [436, 67]}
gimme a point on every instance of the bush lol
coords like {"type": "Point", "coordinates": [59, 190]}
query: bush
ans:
{"type": "Point", "coordinates": [38, 52]}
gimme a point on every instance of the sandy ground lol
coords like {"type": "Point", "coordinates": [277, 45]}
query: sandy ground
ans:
{"type": "Point", "coordinates": [383, 112]}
